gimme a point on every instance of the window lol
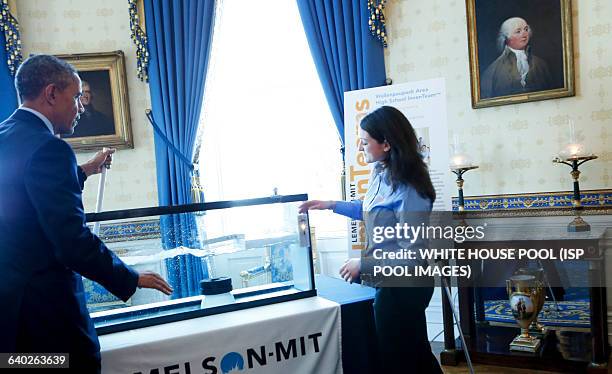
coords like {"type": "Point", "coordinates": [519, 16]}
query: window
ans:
{"type": "Point", "coordinates": [265, 122]}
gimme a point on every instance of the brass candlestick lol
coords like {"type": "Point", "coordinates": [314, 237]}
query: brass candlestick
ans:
{"type": "Point", "coordinates": [574, 161]}
{"type": "Point", "coordinates": [459, 171]}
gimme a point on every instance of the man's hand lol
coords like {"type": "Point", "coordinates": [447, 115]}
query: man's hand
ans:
{"type": "Point", "coordinates": [103, 158]}
{"type": "Point", "coordinates": [351, 270]}
{"type": "Point", "coordinates": [149, 279]}
{"type": "Point", "coordinates": [316, 205]}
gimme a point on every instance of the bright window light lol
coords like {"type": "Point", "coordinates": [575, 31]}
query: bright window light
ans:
{"type": "Point", "coordinates": [265, 122]}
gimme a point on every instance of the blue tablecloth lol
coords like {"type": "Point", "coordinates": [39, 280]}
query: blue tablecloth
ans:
{"type": "Point", "coordinates": [359, 348]}
{"type": "Point", "coordinates": [337, 290]}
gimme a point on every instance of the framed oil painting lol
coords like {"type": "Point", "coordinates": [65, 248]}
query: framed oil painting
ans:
{"type": "Point", "coordinates": [520, 51]}
{"type": "Point", "coordinates": [106, 119]}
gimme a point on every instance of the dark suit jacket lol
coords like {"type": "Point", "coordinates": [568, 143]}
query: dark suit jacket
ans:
{"type": "Point", "coordinates": [45, 245]}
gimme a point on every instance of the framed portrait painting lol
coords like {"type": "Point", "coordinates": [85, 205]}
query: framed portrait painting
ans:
{"type": "Point", "coordinates": [106, 119]}
{"type": "Point", "coordinates": [520, 51]}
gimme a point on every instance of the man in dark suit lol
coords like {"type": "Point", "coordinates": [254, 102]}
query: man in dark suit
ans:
{"type": "Point", "coordinates": [44, 242]}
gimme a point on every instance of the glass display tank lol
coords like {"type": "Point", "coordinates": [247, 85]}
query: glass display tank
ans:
{"type": "Point", "coordinates": [218, 257]}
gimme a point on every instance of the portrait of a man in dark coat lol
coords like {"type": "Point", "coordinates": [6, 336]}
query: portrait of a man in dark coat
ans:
{"type": "Point", "coordinates": [517, 69]}
{"type": "Point", "coordinates": [92, 122]}
{"type": "Point", "coordinates": [520, 51]}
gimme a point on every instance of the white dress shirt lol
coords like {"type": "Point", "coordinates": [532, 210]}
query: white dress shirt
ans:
{"type": "Point", "coordinates": [521, 64]}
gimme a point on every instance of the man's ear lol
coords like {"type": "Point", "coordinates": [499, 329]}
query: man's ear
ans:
{"type": "Point", "coordinates": [50, 92]}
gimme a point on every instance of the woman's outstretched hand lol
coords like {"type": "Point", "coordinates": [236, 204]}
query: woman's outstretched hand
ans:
{"type": "Point", "coordinates": [316, 205]}
{"type": "Point", "coordinates": [351, 270]}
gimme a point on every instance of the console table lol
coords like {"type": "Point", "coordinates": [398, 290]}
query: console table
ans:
{"type": "Point", "coordinates": [574, 346]}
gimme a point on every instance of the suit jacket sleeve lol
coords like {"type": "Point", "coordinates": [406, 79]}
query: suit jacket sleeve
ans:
{"type": "Point", "coordinates": [54, 187]}
{"type": "Point", "coordinates": [82, 177]}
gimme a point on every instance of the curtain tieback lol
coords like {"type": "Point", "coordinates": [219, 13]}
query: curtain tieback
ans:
{"type": "Point", "coordinates": [169, 144]}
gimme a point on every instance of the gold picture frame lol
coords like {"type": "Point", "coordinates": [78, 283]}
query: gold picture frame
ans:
{"type": "Point", "coordinates": [495, 76]}
{"type": "Point", "coordinates": [106, 120]}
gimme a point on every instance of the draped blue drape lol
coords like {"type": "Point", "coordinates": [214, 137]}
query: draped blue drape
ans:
{"type": "Point", "coordinates": [346, 55]}
{"type": "Point", "coordinates": [8, 95]}
{"type": "Point", "coordinates": [179, 36]}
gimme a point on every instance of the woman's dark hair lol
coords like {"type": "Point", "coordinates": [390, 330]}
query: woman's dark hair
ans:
{"type": "Point", "coordinates": [404, 163]}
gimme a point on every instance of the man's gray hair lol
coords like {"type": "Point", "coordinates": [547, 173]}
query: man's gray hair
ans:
{"type": "Point", "coordinates": [506, 29]}
{"type": "Point", "coordinates": [39, 71]}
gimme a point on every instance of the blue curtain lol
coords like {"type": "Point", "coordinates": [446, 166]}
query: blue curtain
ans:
{"type": "Point", "coordinates": [179, 35]}
{"type": "Point", "coordinates": [8, 95]}
{"type": "Point", "coordinates": [346, 55]}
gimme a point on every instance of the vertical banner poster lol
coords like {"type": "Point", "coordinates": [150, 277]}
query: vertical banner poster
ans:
{"type": "Point", "coordinates": [424, 104]}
